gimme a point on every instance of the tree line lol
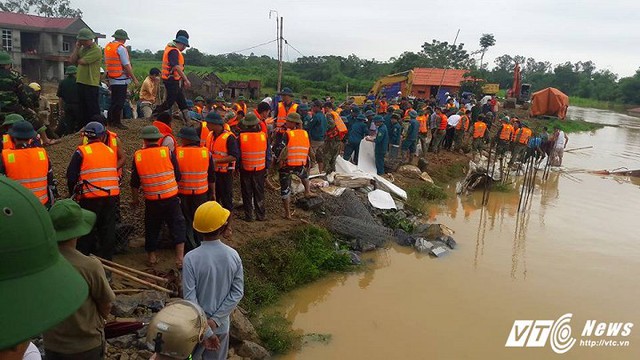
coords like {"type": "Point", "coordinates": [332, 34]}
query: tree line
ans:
{"type": "Point", "coordinates": [329, 74]}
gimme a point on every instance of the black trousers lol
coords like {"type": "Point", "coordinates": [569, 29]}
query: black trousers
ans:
{"type": "Point", "coordinates": [448, 138]}
{"type": "Point", "coordinates": [158, 212]}
{"type": "Point", "coordinates": [224, 189]}
{"type": "Point", "coordinates": [174, 95]}
{"type": "Point", "coordinates": [93, 354]}
{"type": "Point", "coordinates": [252, 188]}
{"type": "Point", "coordinates": [70, 123]}
{"type": "Point", "coordinates": [102, 240]}
{"type": "Point", "coordinates": [89, 104]}
{"type": "Point", "coordinates": [118, 97]}
{"type": "Point", "coordinates": [189, 205]}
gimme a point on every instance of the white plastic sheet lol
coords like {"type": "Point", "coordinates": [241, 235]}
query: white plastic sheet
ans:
{"type": "Point", "coordinates": [366, 157]}
{"type": "Point", "coordinates": [380, 199]}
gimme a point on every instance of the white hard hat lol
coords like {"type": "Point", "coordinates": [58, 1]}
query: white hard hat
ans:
{"type": "Point", "coordinates": [177, 329]}
{"type": "Point", "coordinates": [35, 86]}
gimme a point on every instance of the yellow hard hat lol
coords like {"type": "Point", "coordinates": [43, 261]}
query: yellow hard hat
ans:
{"type": "Point", "coordinates": [177, 329]}
{"type": "Point", "coordinates": [35, 86]}
{"type": "Point", "coordinates": [210, 217]}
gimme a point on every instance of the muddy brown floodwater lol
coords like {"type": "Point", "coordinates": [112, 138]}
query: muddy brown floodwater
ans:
{"type": "Point", "coordinates": [575, 250]}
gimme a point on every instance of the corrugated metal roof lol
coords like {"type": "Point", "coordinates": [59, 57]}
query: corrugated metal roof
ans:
{"type": "Point", "coordinates": [433, 77]}
{"type": "Point", "coordinates": [25, 20]}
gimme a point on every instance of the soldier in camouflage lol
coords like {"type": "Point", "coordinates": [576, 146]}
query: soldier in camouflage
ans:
{"type": "Point", "coordinates": [16, 98]}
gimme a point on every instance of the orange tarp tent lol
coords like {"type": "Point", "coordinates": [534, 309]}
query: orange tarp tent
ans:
{"type": "Point", "coordinates": [549, 101]}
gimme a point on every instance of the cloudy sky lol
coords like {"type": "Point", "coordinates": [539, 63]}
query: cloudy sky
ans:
{"type": "Point", "coordinates": [606, 32]}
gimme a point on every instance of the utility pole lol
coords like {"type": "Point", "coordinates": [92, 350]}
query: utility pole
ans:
{"type": "Point", "coordinates": [280, 41]}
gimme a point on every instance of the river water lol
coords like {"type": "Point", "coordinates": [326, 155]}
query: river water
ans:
{"type": "Point", "coordinates": [575, 250]}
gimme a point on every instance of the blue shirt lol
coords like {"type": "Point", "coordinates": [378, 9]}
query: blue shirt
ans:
{"type": "Point", "coordinates": [317, 126]}
{"type": "Point", "coordinates": [535, 142]}
{"type": "Point", "coordinates": [396, 134]}
{"type": "Point", "coordinates": [412, 132]}
{"type": "Point", "coordinates": [213, 277]}
{"type": "Point", "coordinates": [357, 132]}
{"type": "Point", "coordinates": [382, 140]}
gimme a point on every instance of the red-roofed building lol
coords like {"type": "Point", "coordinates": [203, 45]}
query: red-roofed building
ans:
{"type": "Point", "coordinates": [39, 45]}
{"type": "Point", "coordinates": [421, 82]}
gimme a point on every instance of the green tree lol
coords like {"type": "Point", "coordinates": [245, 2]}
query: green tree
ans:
{"type": "Point", "coordinates": [440, 54]}
{"type": "Point", "coordinates": [486, 41]}
{"type": "Point", "coordinates": [48, 8]}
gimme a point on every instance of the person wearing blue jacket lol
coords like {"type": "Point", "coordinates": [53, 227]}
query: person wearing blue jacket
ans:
{"type": "Point", "coordinates": [382, 143]}
{"type": "Point", "coordinates": [357, 132]}
{"type": "Point", "coordinates": [316, 126]}
{"type": "Point", "coordinates": [409, 143]}
{"type": "Point", "coordinates": [395, 136]}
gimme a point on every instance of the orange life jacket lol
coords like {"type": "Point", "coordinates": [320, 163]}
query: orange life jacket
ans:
{"type": "Point", "coordinates": [463, 124]}
{"type": "Point", "coordinates": [506, 132]}
{"type": "Point", "coordinates": [233, 122]}
{"type": "Point", "coordinates": [156, 172]}
{"type": "Point", "coordinates": [238, 107]}
{"type": "Point", "coordinates": [218, 148]}
{"type": "Point", "coordinates": [198, 109]}
{"type": "Point", "coordinates": [395, 107]}
{"type": "Point", "coordinates": [7, 142]}
{"type": "Point", "coordinates": [114, 67]}
{"type": "Point", "coordinates": [282, 113]}
{"type": "Point", "coordinates": [166, 131]}
{"type": "Point", "coordinates": [29, 167]}
{"type": "Point", "coordinates": [253, 150]}
{"type": "Point", "coordinates": [522, 135]}
{"type": "Point", "coordinates": [204, 133]}
{"type": "Point", "coordinates": [98, 171]}
{"type": "Point", "coordinates": [444, 121]}
{"type": "Point", "coordinates": [193, 162]}
{"type": "Point", "coordinates": [297, 147]}
{"type": "Point", "coordinates": [342, 128]}
{"type": "Point", "coordinates": [406, 112]}
{"type": "Point", "coordinates": [479, 129]}
{"type": "Point", "coordinates": [422, 120]}
{"type": "Point", "coordinates": [167, 70]}
{"type": "Point", "coordinates": [383, 107]}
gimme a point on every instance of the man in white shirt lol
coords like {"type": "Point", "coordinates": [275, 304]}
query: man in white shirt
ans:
{"type": "Point", "coordinates": [485, 99]}
{"type": "Point", "coordinates": [561, 141]}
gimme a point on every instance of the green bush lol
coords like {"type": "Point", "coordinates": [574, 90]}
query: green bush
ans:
{"type": "Point", "coordinates": [419, 195]}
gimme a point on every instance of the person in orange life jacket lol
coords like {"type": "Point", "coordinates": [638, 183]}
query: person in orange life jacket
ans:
{"type": "Point", "coordinates": [285, 107]}
{"type": "Point", "coordinates": [197, 184]}
{"type": "Point", "coordinates": [293, 159]}
{"type": "Point", "coordinates": [462, 128]}
{"type": "Point", "coordinates": [27, 164]}
{"type": "Point", "coordinates": [231, 120]}
{"type": "Point", "coordinates": [163, 123]}
{"type": "Point", "coordinates": [224, 147]}
{"type": "Point", "coordinates": [92, 177]}
{"type": "Point", "coordinates": [423, 131]}
{"type": "Point", "coordinates": [480, 134]}
{"type": "Point", "coordinates": [253, 162]}
{"type": "Point", "coordinates": [5, 138]}
{"type": "Point", "coordinates": [220, 105]}
{"type": "Point", "coordinates": [503, 136]}
{"type": "Point", "coordinates": [241, 105]}
{"type": "Point", "coordinates": [520, 143]}
{"type": "Point", "coordinates": [112, 140]}
{"type": "Point", "coordinates": [155, 169]}
{"type": "Point", "coordinates": [262, 112]}
{"type": "Point", "coordinates": [441, 130]}
{"type": "Point", "coordinates": [199, 104]}
{"type": "Point", "coordinates": [120, 74]}
{"type": "Point", "coordinates": [332, 143]}
{"type": "Point", "coordinates": [172, 75]}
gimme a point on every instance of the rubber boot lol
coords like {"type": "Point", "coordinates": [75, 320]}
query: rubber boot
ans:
{"type": "Point", "coordinates": [186, 117]}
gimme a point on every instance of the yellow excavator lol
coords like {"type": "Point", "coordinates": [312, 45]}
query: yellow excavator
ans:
{"type": "Point", "coordinates": [405, 76]}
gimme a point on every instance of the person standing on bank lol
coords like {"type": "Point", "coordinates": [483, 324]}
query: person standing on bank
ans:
{"type": "Point", "coordinates": [197, 184]}
{"type": "Point", "coordinates": [81, 335]}
{"type": "Point", "coordinates": [253, 162]}
{"type": "Point", "coordinates": [92, 177]}
{"type": "Point", "coordinates": [224, 147]}
{"type": "Point", "coordinates": [120, 74]}
{"type": "Point", "coordinates": [213, 278]}
{"type": "Point", "coordinates": [88, 57]}
{"type": "Point", "coordinates": [156, 170]}
{"type": "Point", "coordinates": [172, 75]}
{"type": "Point", "coordinates": [381, 140]}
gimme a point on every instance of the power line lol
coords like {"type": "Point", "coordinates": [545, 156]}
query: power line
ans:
{"type": "Point", "coordinates": [252, 47]}
{"type": "Point", "coordinates": [293, 47]}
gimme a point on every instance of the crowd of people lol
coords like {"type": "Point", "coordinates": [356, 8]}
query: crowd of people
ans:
{"type": "Point", "coordinates": [187, 181]}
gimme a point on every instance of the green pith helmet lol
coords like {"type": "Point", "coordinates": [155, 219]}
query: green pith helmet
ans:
{"type": "Point", "coordinates": [189, 133]}
{"type": "Point", "coordinates": [5, 58]}
{"type": "Point", "coordinates": [70, 220]}
{"type": "Point", "coordinates": [22, 130]}
{"type": "Point", "coordinates": [199, 98]}
{"type": "Point", "coordinates": [150, 132]}
{"type": "Point", "coordinates": [72, 69]}
{"type": "Point", "coordinates": [250, 120]}
{"type": "Point", "coordinates": [120, 35]}
{"type": "Point", "coordinates": [12, 119]}
{"type": "Point", "coordinates": [294, 118]}
{"type": "Point", "coordinates": [39, 287]}
{"type": "Point", "coordinates": [86, 34]}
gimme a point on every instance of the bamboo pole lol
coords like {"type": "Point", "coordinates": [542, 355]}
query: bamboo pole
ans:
{"type": "Point", "coordinates": [139, 281]}
{"type": "Point", "coordinates": [126, 268]}
{"type": "Point", "coordinates": [580, 148]}
{"type": "Point", "coordinates": [128, 291]}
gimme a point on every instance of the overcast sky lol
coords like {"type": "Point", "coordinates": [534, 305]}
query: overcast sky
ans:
{"type": "Point", "coordinates": [606, 32]}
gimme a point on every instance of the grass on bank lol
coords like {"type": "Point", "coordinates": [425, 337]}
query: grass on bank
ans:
{"type": "Point", "coordinates": [596, 104]}
{"type": "Point", "coordinates": [418, 196]}
{"type": "Point", "coordinates": [568, 126]}
{"type": "Point", "coordinates": [280, 264]}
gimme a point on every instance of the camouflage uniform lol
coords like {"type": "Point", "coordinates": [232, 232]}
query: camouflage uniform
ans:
{"type": "Point", "coordinates": [16, 98]}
